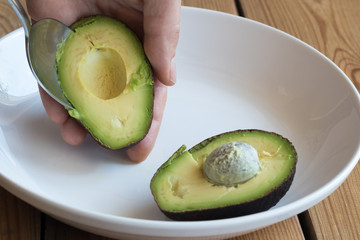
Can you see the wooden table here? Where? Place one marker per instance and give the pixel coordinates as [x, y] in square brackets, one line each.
[332, 27]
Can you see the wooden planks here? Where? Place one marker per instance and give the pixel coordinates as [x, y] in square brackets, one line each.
[289, 229]
[8, 18]
[333, 28]
[18, 220]
[285, 230]
[337, 217]
[55, 230]
[227, 6]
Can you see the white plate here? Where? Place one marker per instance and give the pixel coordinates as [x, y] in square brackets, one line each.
[233, 73]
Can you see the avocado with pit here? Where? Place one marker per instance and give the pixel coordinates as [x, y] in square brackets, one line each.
[232, 174]
[104, 73]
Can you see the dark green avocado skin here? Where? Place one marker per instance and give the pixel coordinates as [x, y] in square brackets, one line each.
[262, 203]
[258, 205]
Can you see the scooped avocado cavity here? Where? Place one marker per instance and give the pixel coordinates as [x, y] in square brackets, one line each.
[232, 163]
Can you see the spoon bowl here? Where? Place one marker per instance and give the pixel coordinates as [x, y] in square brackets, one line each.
[41, 41]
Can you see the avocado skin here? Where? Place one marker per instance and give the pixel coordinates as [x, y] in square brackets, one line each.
[260, 204]
[89, 20]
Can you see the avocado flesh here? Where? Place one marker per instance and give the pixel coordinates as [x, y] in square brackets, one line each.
[183, 193]
[104, 73]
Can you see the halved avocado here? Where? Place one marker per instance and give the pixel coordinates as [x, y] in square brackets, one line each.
[104, 73]
[182, 192]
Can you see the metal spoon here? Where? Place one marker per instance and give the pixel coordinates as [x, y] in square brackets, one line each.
[41, 40]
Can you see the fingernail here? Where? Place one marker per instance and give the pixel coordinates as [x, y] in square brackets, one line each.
[173, 72]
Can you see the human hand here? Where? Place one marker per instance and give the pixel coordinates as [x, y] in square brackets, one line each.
[156, 23]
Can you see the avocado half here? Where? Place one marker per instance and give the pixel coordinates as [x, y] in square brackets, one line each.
[182, 192]
[104, 73]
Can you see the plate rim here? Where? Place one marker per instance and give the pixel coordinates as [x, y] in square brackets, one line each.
[129, 225]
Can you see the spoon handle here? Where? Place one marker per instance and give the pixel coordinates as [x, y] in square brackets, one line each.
[22, 15]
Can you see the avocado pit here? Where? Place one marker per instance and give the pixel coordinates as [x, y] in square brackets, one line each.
[231, 164]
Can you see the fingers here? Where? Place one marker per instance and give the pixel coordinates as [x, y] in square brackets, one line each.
[161, 34]
[161, 26]
[56, 112]
[66, 11]
[140, 151]
[72, 132]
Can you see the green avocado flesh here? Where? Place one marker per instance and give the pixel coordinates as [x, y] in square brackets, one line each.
[182, 192]
[104, 73]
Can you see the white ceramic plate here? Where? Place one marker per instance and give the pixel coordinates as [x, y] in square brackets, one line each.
[233, 73]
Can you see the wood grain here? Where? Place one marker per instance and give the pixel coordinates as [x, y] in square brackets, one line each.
[8, 18]
[53, 229]
[334, 217]
[227, 6]
[332, 27]
[289, 229]
[285, 230]
[18, 220]
[56, 230]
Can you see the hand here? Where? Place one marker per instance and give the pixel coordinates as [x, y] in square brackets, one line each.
[156, 22]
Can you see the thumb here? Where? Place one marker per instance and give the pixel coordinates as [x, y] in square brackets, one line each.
[161, 35]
